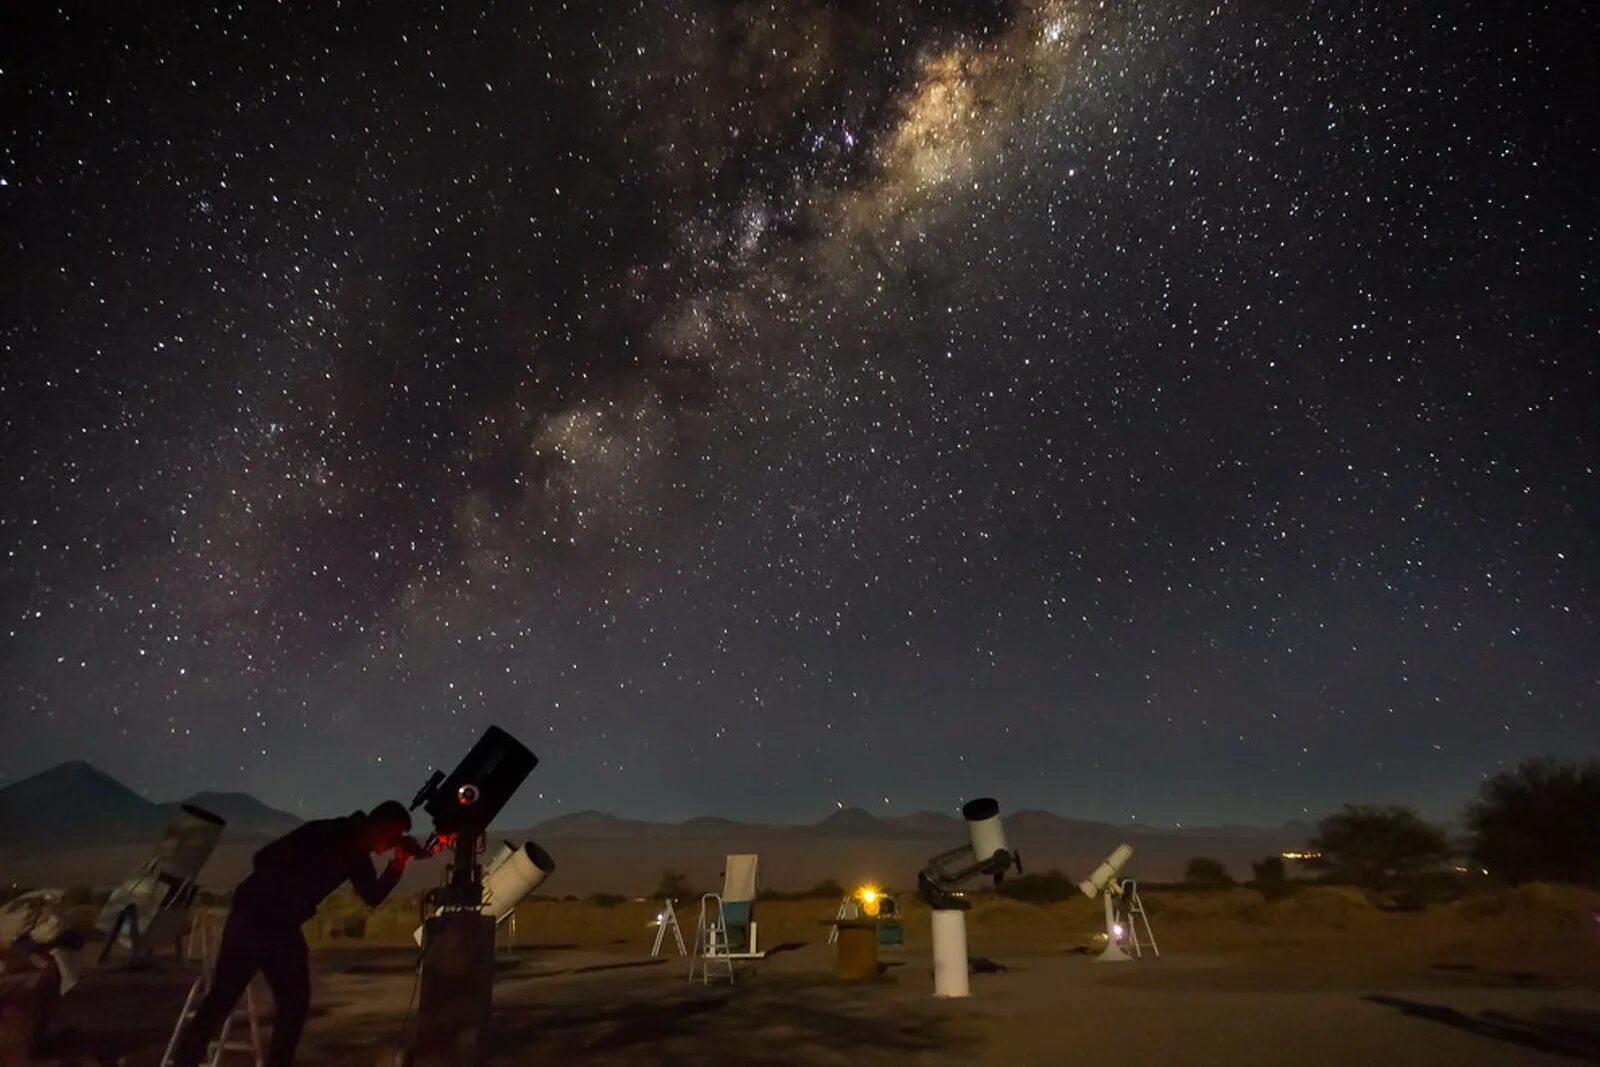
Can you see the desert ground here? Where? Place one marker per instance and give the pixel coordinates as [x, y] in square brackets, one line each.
[1321, 976]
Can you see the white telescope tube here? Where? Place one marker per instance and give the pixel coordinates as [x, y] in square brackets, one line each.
[513, 873]
[983, 824]
[1106, 871]
[514, 878]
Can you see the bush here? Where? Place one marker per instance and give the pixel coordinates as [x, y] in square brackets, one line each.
[348, 926]
[1540, 822]
[828, 887]
[1375, 846]
[606, 900]
[1205, 871]
[674, 885]
[1039, 888]
[1270, 876]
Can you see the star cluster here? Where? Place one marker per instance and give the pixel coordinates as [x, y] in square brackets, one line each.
[1158, 410]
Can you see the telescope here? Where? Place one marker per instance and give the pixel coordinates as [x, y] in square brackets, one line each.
[985, 853]
[457, 970]
[151, 906]
[465, 801]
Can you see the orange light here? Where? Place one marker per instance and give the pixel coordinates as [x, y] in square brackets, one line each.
[871, 898]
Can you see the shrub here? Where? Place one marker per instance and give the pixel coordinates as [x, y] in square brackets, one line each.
[674, 885]
[1205, 871]
[1375, 846]
[1540, 822]
[1270, 876]
[1039, 888]
[606, 900]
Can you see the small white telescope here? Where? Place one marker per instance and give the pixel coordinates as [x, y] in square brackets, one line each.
[513, 873]
[1106, 872]
[1106, 884]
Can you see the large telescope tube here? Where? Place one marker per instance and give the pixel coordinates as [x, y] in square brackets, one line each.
[983, 823]
[169, 873]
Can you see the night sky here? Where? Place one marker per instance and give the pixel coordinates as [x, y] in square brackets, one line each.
[1158, 410]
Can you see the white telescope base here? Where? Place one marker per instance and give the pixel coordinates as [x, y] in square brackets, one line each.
[1113, 952]
[950, 953]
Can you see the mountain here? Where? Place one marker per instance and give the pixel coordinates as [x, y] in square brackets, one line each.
[73, 824]
[245, 814]
[711, 824]
[850, 820]
[586, 825]
[75, 803]
[925, 824]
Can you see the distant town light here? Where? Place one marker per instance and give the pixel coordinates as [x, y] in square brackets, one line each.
[1301, 855]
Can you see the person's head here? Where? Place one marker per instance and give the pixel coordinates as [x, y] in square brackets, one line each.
[386, 824]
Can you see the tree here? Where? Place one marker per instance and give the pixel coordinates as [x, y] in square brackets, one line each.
[1539, 822]
[674, 885]
[1270, 876]
[1203, 870]
[1375, 846]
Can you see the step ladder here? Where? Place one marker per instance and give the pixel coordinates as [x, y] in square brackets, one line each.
[1133, 912]
[848, 909]
[711, 949]
[244, 1011]
[668, 918]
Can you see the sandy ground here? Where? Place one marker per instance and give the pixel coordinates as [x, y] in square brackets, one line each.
[1304, 982]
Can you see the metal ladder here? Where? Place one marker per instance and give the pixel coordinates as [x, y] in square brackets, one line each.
[245, 1009]
[668, 917]
[711, 941]
[848, 909]
[1133, 909]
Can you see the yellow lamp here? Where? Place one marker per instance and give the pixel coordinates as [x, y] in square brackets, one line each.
[869, 897]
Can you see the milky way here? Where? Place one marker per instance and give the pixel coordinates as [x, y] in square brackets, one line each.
[1144, 410]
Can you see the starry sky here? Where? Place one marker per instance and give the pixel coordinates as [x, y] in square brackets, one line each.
[1143, 409]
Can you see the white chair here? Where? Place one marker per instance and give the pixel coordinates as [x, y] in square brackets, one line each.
[741, 885]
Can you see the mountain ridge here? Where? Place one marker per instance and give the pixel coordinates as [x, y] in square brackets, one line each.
[75, 804]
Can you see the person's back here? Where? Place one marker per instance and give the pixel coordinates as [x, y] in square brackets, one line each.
[295, 873]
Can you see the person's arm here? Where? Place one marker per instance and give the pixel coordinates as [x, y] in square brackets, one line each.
[374, 889]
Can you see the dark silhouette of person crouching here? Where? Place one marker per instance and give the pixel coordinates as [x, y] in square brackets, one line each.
[288, 879]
